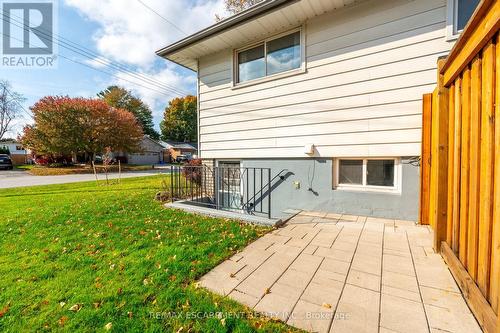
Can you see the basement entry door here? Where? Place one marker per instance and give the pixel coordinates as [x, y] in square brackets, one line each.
[230, 187]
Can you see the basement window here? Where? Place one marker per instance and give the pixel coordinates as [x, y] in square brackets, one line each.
[277, 55]
[377, 174]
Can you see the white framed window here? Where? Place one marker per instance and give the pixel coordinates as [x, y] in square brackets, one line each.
[280, 55]
[458, 14]
[368, 174]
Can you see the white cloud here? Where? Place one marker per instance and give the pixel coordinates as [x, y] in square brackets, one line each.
[130, 34]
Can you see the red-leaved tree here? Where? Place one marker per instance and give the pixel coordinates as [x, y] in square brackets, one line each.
[66, 126]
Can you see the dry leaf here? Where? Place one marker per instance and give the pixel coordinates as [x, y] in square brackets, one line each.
[62, 320]
[75, 308]
[267, 291]
[108, 326]
[326, 305]
[62, 304]
[232, 275]
[4, 311]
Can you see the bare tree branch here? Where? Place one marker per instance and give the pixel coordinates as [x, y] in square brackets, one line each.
[10, 107]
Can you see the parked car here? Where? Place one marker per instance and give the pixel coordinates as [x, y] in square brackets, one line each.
[181, 159]
[5, 162]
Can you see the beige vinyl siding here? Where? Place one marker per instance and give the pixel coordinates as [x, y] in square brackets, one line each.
[367, 68]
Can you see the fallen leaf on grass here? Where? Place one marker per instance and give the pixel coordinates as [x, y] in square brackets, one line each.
[62, 320]
[4, 311]
[75, 308]
[108, 326]
[62, 304]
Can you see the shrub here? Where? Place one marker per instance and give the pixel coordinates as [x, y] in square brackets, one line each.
[192, 171]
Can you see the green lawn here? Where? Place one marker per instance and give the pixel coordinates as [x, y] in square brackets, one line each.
[77, 257]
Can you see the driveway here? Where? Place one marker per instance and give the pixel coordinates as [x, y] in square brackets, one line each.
[338, 273]
[16, 178]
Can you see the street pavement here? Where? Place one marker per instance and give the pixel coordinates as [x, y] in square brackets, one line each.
[17, 178]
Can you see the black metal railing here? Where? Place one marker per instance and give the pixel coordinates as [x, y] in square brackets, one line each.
[246, 190]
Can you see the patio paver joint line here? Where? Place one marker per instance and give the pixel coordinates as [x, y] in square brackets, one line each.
[348, 271]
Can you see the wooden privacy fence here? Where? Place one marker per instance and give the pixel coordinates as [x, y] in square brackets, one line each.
[460, 189]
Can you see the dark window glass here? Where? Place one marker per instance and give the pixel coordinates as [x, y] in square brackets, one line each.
[251, 64]
[380, 173]
[351, 172]
[283, 54]
[465, 10]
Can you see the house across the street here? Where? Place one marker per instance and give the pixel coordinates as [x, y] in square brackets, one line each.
[325, 94]
[150, 152]
[174, 149]
[18, 154]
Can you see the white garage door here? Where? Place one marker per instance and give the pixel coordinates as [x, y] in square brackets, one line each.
[145, 158]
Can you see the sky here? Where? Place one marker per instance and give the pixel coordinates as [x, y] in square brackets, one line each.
[124, 32]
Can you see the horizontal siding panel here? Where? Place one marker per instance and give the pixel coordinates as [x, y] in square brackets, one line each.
[351, 102]
[250, 124]
[404, 46]
[382, 150]
[393, 42]
[342, 139]
[365, 16]
[432, 17]
[366, 125]
[401, 61]
[217, 109]
[216, 78]
[326, 77]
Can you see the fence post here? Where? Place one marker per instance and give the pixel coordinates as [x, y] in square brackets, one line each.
[425, 159]
[440, 161]
[269, 194]
[172, 183]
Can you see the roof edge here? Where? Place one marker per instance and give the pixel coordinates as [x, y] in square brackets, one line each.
[230, 22]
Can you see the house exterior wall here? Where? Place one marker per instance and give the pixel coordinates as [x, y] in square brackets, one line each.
[315, 190]
[174, 152]
[18, 156]
[150, 152]
[367, 67]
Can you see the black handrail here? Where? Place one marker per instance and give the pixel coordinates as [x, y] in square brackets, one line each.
[267, 185]
[225, 188]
